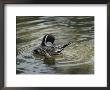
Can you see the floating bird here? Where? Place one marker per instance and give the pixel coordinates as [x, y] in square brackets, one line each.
[47, 47]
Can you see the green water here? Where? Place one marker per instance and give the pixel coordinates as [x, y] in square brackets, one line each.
[77, 58]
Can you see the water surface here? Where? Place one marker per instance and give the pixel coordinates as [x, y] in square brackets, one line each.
[77, 58]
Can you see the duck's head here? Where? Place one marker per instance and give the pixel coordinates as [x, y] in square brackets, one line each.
[48, 38]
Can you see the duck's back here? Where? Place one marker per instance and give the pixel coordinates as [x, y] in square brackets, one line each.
[43, 50]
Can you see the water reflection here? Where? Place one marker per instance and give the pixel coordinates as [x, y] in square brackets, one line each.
[77, 58]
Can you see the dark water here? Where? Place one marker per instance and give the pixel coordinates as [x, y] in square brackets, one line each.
[77, 58]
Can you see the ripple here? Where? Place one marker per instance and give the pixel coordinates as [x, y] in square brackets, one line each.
[77, 58]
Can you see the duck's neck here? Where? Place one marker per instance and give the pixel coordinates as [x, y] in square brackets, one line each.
[43, 44]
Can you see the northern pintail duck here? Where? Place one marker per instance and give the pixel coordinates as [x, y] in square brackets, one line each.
[47, 47]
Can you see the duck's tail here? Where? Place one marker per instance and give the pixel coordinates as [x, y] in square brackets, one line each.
[64, 46]
[77, 41]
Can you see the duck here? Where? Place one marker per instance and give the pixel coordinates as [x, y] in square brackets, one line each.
[48, 48]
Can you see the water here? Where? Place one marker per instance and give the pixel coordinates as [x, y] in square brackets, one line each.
[77, 58]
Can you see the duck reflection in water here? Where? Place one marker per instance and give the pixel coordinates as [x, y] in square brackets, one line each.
[48, 49]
